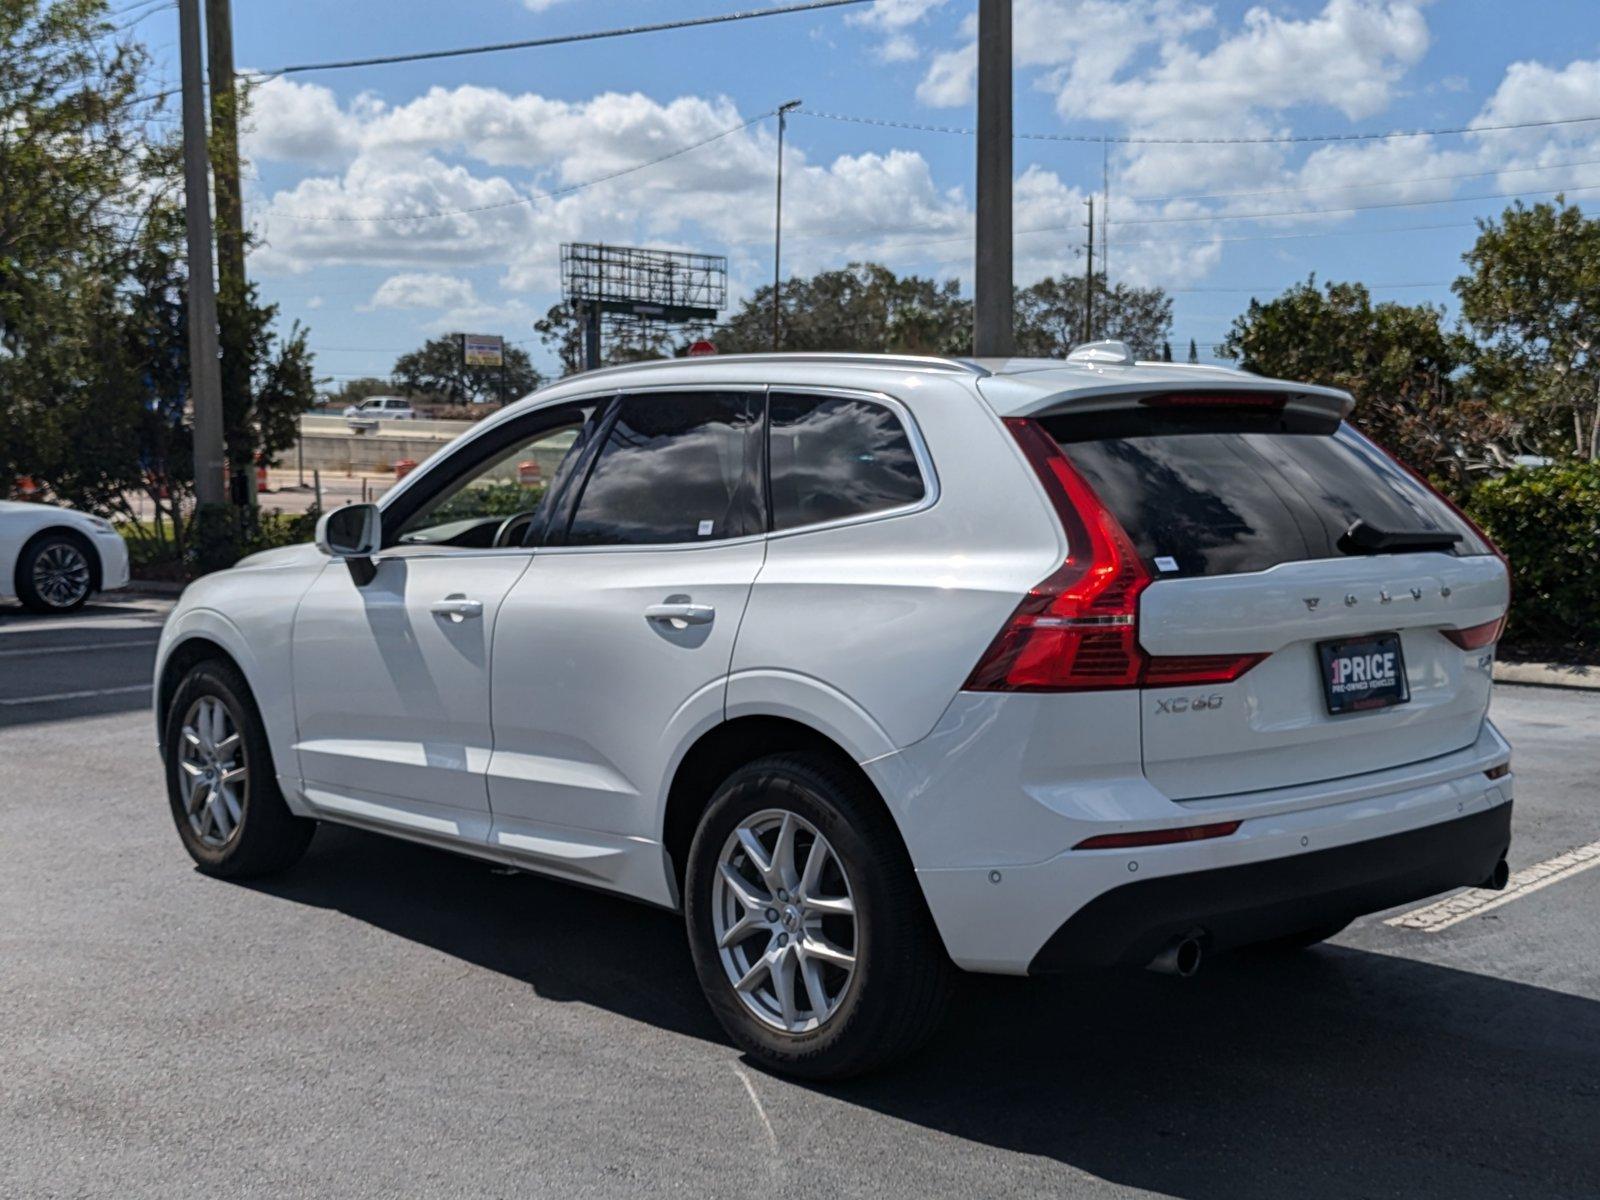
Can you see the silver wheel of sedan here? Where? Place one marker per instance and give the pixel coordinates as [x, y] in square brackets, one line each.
[213, 771]
[785, 921]
[61, 574]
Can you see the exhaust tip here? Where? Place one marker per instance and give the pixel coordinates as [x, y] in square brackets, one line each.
[1181, 958]
[1497, 878]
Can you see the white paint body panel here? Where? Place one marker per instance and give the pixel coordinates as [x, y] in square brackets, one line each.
[21, 522]
[546, 734]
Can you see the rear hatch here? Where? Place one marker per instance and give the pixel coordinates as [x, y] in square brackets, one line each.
[1360, 607]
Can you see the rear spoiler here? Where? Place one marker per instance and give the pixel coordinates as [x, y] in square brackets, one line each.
[1033, 396]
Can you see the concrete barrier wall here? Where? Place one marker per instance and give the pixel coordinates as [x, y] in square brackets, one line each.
[331, 446]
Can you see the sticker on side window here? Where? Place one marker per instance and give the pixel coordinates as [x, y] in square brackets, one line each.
[706, 527]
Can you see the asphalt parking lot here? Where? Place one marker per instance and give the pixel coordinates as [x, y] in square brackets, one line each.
[387, 1020]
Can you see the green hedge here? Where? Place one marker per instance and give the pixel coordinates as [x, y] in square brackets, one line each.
[1547, 520]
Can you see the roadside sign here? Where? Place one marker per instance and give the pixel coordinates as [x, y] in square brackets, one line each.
[482, 350]
[702, 348]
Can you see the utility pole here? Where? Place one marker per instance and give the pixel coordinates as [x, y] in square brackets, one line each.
[230, 230]
[205, 377]
[1088, 279]
[992, 300]
[777, 225]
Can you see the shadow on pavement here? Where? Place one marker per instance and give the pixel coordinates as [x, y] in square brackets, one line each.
[1331, 1073]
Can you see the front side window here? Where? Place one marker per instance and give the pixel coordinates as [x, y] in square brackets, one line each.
[675, 467]
[493, 501]
[834, 457]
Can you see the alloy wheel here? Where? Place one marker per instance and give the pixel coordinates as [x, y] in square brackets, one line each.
[213, 772]
[61, 575]
[785, 921]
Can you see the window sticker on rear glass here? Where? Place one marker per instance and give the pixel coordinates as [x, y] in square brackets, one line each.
[1166, 563]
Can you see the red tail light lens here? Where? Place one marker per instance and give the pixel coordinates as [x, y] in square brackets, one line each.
[1078, 629]
[1075, 630]
[1159, 837]
[1476, 637]
[1178, 669]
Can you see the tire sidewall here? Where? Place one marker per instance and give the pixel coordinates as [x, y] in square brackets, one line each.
[758, 787]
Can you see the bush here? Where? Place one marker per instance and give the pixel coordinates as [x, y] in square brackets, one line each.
[1547, 521]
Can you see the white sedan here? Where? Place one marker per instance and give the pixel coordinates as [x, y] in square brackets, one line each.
[52, 559]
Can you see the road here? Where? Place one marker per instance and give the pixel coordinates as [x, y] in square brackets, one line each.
[387, 1020]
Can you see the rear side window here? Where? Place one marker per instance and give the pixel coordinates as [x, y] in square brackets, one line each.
[1231, 493]
[675, 467]
[834, 457]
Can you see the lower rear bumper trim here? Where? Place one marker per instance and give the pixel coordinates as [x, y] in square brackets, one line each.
[1259, 901]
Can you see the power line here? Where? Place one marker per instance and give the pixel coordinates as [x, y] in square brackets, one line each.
[1124, 139]
[535, 197]
[559, 39]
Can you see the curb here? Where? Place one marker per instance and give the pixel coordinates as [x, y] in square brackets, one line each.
[153, 587]
[1561, 675]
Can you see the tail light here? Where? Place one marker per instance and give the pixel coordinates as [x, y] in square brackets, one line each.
[1476, 637]
[1077, 630]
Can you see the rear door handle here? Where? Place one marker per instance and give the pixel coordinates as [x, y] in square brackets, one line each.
[458, 608]
[685, 614]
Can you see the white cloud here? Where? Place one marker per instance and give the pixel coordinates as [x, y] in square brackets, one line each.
[423, 289]
[895, 20]
[951, 79]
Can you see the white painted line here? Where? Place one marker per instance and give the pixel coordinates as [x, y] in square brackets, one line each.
[761, 1111]
[78, 649]
[1454, 909]
[116, 691]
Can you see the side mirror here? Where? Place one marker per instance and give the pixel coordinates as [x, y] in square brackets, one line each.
[353, 531]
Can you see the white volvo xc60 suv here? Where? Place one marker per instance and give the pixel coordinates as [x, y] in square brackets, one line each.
[874, 666]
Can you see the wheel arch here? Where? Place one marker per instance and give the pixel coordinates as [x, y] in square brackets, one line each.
[180, 660]
[726, 747]
[77, 536]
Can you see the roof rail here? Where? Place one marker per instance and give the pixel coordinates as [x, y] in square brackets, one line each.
[915, 362]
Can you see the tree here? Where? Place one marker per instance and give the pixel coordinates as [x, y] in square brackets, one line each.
[1050, 316]
[561, 329]
[1533, 295]
[863, 307]
[436, 369]
[1194, 352]
[1399, 362]
[70, 144]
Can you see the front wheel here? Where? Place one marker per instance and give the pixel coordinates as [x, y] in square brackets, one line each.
[807, 926]
[231, 817]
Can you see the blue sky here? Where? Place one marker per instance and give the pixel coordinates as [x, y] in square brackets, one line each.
[344, 162]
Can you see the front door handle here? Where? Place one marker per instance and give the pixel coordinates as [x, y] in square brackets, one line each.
[681, 614]
[457, 607]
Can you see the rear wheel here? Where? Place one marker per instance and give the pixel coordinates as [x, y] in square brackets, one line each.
[224, 795]
[807, 927]
[55, 573]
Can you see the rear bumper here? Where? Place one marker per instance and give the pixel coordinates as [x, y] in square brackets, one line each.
[1256, 902]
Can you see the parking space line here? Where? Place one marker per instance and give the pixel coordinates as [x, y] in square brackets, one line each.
[76, 649]
[1454, 909]
[10, 701]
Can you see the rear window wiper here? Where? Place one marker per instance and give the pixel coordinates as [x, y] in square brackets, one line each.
[1364, 538]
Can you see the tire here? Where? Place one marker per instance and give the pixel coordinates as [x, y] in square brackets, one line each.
[891, 998]
[56, 573]
[239, 827]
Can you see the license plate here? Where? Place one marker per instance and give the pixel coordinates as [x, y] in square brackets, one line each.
[1363, 673]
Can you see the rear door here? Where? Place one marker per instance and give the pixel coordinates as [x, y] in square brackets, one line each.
[614, 648]
[1244, 521]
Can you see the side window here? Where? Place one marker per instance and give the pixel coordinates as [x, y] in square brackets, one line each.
[675, 467]
[836, 456]
[493, 499]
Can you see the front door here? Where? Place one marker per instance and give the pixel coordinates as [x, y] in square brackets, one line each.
[613, 650]
[391, 676]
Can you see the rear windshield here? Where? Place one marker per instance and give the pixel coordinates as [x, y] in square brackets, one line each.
[1224, 493]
